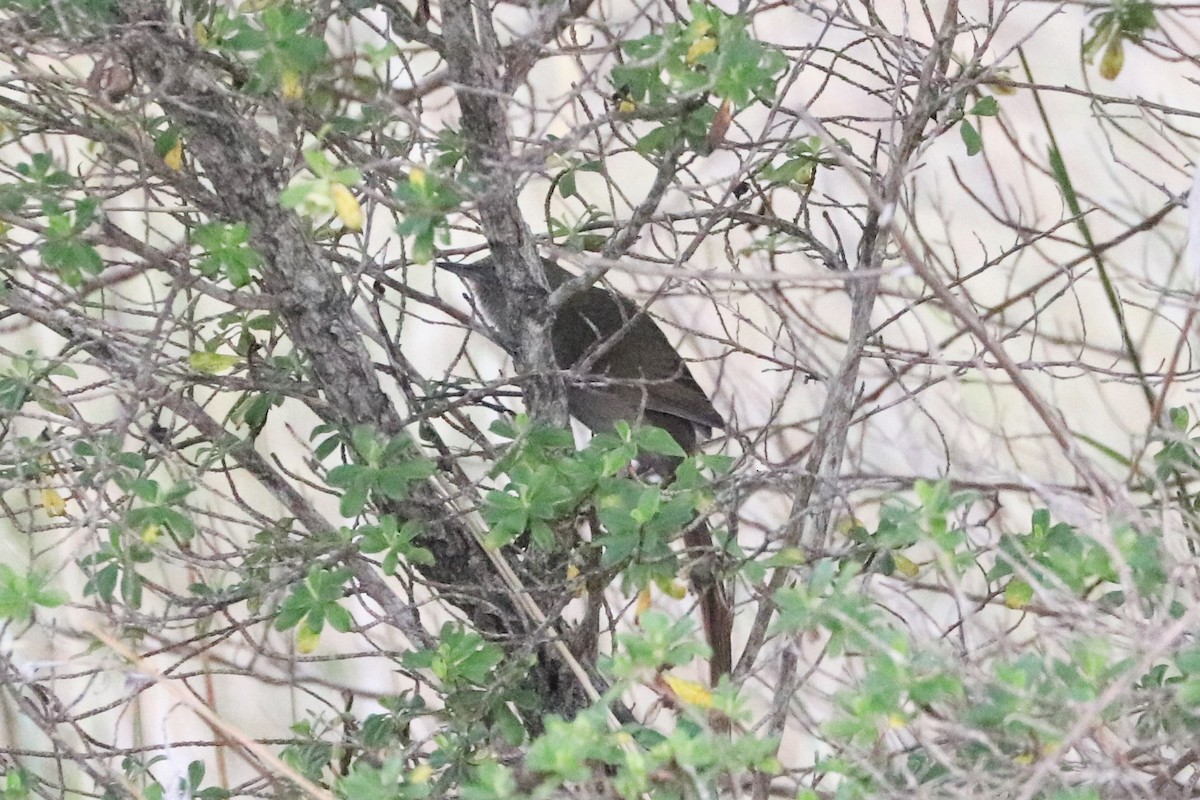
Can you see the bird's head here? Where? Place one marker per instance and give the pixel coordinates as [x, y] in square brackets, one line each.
[481, 274]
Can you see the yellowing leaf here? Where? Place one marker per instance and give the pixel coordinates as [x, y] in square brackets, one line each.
[905, 566]
[672, 589]
[626, 106]
[787, 557]
[290, 86]
[212, 363]
[1017, 593]
[150, 534]
[1001, 86]
[200, 31]
[417, 178]
[173, 158]
[347, 207]
[420, 774]
[306, 638]
[690, 692]
[572, 577]
[53, 503]
[643, 603]
[718, 129]
[701, 47]
[1113, 60]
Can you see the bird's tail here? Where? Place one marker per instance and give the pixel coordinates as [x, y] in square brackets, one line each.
[716, 610]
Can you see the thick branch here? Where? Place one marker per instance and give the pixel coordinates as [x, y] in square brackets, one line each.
[315, 310]
[477, 67]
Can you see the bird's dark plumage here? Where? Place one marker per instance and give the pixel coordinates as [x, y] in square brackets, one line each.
[632, 373]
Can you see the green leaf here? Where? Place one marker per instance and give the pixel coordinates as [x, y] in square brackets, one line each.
[71, 259]
[1187, 692]
[395, 541]
[212, 363]
[394, 481]
[353, 501]
[656, 440]
[567, 748]
[971, 138]
[661, 641]
[461, 655]
[1017, 594]
[1188, 661]
[313, 602]
[985, 107]
[21, 594]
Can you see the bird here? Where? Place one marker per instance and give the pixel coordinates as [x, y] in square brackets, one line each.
[642, 380]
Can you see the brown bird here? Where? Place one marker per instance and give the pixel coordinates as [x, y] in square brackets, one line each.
[648, 383]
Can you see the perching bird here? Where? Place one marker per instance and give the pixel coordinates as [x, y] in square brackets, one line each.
[646, 382]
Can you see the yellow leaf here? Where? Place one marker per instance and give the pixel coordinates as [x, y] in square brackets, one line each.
[290, 86]
[1017, 594]
[200, 31]
[672, 589]
[580, 588]
[626, 106]
[701, 47]
[306, 638]
[53, 503]
[1114, 59]
[347, 207]
[420, 774]
[643, 603]
[787, 557]
[173, 158]
[690, 692]
[417, 178]
[150, 534]
[1000, 85]
[905, 566]
[212, 363]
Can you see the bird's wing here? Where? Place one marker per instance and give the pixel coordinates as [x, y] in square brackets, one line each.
[646, 371]
[685, 401]
[664, 379]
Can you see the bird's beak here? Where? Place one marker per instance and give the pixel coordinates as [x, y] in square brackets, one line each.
[450, 266]
[477, 273]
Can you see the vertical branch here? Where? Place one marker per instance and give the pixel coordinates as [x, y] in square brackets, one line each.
[883, 197]
[478, 71]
